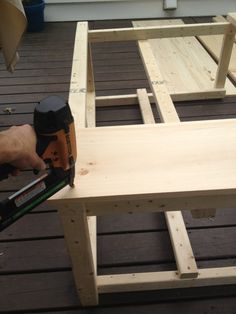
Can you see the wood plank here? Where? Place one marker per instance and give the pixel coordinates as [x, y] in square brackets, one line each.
[75, 222]
[91, 122]
[194, 306]
[30, 226]
[160, 92]
[183, 62]
[143, 33]
[213, 45]
[34, 226]
[131, 99]
[119, 177]
[225, 56]
[76, 229]
[165, 280]
[56, 290]
[231, 17]
[117, 250]
[186, 264]
[145, 106]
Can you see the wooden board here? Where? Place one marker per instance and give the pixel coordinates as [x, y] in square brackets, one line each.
[213, 46]
[131, 161]
[184, 63]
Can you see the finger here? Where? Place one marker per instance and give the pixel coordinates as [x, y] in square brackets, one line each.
[38, 163]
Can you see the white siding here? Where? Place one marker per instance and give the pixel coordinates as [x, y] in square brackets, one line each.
[75, 10]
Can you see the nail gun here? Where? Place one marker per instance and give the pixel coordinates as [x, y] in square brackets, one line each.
[56, 145]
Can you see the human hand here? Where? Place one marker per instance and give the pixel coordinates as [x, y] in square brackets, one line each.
[18, 148]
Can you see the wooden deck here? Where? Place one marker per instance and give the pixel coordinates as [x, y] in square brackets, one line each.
[35, 271]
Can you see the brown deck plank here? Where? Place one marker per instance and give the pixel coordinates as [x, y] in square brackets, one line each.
[116, 250]
[56, 290]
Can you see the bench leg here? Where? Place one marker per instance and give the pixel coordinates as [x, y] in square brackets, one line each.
[76, 230]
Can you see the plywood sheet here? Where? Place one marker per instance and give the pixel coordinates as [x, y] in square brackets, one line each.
[164, 160]
[185, 64]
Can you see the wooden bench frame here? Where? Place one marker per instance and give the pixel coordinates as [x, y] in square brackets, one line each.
[78, 222]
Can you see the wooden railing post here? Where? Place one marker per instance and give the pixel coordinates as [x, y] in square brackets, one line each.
[226, 51]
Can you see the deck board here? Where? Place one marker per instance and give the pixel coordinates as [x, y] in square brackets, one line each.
[45, 284]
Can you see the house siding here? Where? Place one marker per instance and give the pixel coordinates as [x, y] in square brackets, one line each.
[78, 10]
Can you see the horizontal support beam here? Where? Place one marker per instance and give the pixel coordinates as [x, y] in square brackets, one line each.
[132, 99]
[165, 280]
[141, 33]
[157, 205]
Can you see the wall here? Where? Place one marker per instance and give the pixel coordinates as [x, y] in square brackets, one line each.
[76, 10]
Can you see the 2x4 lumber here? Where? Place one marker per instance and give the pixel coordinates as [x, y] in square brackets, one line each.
[91, 122]
[186, 264]
[142, 33]
[75, 224]
[78, 83]
[73, 216]
[220, 18]
[165, 280]
[160, 204]
[145, 106]
[231, 17]
[132, 99]
[161, 95]
[226, 52]
[90, 105]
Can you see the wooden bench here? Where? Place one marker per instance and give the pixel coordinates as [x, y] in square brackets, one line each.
[166, 167]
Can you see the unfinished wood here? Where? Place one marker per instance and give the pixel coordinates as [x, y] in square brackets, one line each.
[90, 105]
[160, 204]
[91, 122]
[161, 95]
[78, 84]
[132, 99]
[120, 162]
[145, 106]
[220, 18]
[165, 280]
[213, 45]
[75, 224]
[184, 64]
[225, 56]
[231, 17]
[186, 264]
[77, 227]
[142, 33]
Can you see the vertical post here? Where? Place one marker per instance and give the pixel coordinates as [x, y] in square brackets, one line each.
[73, 214]
[75, 225]
[91, 122]
[226, 51]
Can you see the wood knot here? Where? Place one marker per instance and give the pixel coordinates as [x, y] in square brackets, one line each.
[83, 172]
